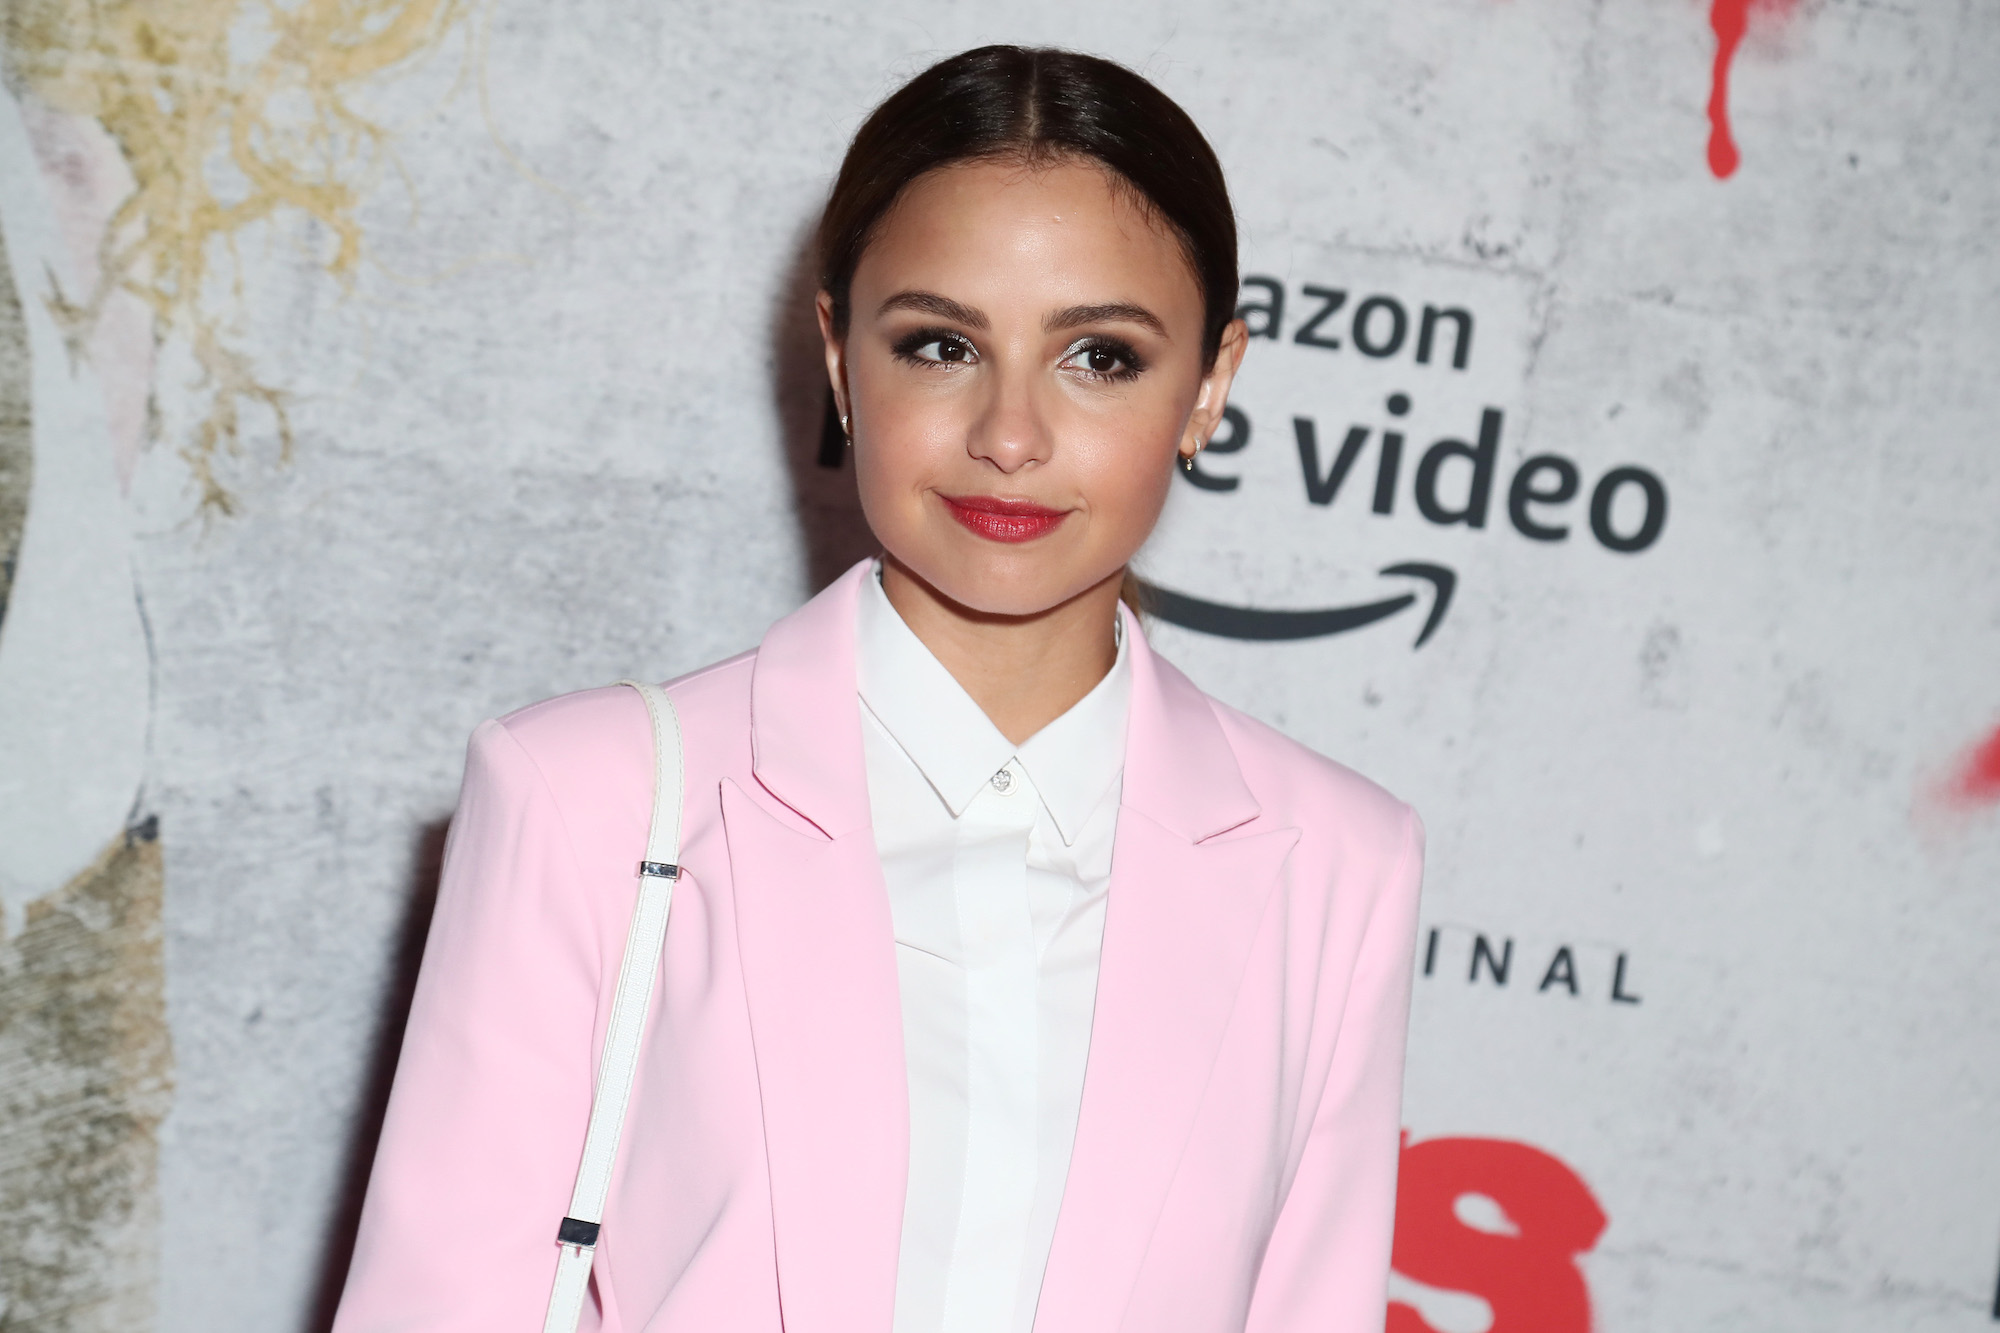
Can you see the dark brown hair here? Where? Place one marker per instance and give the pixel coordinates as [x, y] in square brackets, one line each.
[1039, 105]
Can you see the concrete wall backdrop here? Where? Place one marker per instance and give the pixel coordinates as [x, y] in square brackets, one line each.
[368, 369]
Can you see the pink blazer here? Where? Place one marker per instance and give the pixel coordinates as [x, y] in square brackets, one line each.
[1235, 1159]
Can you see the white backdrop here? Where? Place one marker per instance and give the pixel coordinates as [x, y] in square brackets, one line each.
[1710, 919]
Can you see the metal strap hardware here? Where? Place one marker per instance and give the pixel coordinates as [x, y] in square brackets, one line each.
[574, 1231]
[619, 1061]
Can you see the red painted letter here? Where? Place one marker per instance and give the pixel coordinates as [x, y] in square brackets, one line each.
[1530, 1278]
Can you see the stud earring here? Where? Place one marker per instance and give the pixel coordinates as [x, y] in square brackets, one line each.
[845, 433]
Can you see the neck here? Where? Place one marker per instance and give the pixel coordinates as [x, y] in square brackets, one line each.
[1024, 672]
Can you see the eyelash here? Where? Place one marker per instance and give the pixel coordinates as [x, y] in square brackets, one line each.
[907, 346]
[1118, 347]
[906, 349]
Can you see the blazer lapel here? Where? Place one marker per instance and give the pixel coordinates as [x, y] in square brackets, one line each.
[819, 973]
[1189, 886]
[819, 970]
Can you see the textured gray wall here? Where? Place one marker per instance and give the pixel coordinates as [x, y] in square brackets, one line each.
[559, 426]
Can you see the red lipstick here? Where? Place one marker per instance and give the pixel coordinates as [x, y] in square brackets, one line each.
[1004, 520]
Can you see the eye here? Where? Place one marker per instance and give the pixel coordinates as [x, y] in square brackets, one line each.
[936, 347]
[1104, 359]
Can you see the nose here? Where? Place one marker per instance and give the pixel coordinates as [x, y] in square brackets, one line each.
[1010, 429]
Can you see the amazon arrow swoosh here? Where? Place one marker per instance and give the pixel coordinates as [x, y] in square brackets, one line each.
[1245, 622]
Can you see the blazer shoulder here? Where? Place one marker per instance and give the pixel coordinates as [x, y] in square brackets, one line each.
[1298, 786]
[577, 735]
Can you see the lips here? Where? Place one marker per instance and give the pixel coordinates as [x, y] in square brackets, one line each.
[1004, 520]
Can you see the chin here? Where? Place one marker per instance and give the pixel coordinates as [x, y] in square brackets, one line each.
[1018, 583]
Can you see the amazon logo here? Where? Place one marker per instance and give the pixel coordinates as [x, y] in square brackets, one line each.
[1243, 622]
[1388, 469]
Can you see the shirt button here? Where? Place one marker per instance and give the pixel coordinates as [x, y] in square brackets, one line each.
[1003, 781]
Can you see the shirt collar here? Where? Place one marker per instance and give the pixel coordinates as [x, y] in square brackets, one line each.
[1072, 762]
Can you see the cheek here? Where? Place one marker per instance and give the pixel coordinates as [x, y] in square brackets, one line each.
[1125, 483]
[1140, 494]
[900, 437]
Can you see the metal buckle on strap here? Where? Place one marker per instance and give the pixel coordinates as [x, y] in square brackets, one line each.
[660, 869]
[579, 1233]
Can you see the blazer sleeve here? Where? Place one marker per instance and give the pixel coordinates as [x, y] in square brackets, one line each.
[1326, 1267]
[486, 1119]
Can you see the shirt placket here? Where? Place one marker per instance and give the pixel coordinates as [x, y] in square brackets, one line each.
[1003, 1053]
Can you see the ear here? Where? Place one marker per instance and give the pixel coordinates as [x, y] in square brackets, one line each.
[836, 352]
[1214, 394]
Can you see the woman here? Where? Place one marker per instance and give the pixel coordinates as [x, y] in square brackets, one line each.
[1011, 981]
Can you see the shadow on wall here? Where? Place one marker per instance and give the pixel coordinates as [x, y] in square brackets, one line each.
[393, 1013]
[833, 531]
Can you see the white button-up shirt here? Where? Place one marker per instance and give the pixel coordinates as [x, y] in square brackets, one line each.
[998, 859]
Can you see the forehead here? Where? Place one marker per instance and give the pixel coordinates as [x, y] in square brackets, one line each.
[994, 232]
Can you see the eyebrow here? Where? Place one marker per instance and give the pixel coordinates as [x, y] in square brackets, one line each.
[932, 304]
[1105, 313]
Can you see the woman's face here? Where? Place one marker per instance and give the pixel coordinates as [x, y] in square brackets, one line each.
[1022, 365]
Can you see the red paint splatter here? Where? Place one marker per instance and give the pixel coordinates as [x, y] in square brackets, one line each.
[1730, 19]
[1977, 781]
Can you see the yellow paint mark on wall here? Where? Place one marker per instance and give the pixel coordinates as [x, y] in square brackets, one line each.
[228, 112]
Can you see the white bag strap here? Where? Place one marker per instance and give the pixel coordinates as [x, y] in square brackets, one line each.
[637, 975]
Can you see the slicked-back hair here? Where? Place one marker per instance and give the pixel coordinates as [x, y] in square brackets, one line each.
[1039, 106]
